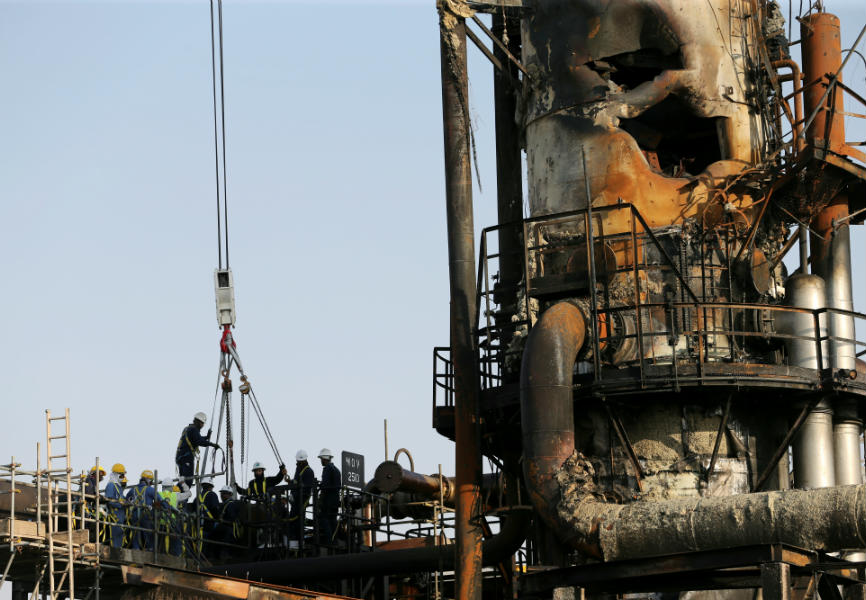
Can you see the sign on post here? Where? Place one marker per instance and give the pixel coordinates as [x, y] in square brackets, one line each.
[353, 470]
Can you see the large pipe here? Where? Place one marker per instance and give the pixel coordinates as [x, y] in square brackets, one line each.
[798, 97]
[547, 406]
[830, 518]
[461, 268]
[822, 55]
[391, 477]
[813, 446]
[366, 564]
[847, 428]
[825, 519]
[509, 170]
[831, 240]
[813, 452]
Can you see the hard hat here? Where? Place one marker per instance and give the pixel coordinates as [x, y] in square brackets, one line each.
[258, 465]
[167, 482]
[200, 416]
[118, 468]
[326, 453]
[226, 489]
[301, 455]
[147, 474]
[207, 481]
[101, 470]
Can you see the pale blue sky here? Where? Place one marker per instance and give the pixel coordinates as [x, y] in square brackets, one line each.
[337, 221]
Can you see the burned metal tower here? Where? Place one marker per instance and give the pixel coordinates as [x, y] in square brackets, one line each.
[634, 350]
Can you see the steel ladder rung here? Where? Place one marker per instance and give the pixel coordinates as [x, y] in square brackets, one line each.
[56, 456]
[57, 437]
[63, 418]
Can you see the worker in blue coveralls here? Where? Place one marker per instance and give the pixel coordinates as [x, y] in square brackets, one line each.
[329, 497]
[302, 486]
[187, 448]
[207, 506]
[116, 504]
[140, 500]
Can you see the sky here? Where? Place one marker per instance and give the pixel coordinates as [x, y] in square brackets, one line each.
[336, 222]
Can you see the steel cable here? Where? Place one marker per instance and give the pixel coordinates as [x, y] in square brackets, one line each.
[216, 137]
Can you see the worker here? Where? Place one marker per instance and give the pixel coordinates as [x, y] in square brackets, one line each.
[91, 483]
[229, 527]
[329, 497]
[302, 486]
[140, 500]
[206, 507]
[116, 506]
[91, 489]
[259, 486]
[191, 440]
[170, 519]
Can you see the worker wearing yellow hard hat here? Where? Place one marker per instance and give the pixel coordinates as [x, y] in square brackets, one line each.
[140, 499]
[116, 504]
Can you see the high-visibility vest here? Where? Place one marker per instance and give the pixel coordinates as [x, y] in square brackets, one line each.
[170, 496]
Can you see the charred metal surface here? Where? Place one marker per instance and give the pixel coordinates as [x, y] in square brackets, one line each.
[546, 404]
[824, 519]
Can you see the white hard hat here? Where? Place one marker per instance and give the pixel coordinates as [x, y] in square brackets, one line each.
[301, 455]
[200, 416]
[258, 465]
[326, 453]
[207, 480]
[225, 488]
[168, 482]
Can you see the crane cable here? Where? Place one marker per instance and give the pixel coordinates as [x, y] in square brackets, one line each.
[219, 133]
[228, 354]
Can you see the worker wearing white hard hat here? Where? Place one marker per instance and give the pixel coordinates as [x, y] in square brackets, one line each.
[260, 487]
[228, 529]
[207, 505]
[329, 497]
[191, 440]
[302, 486]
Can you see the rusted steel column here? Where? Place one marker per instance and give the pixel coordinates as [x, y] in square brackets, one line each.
[509, 171]
[461, 267]
[822, 55]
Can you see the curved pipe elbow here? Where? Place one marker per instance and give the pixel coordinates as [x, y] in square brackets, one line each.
[546, 403]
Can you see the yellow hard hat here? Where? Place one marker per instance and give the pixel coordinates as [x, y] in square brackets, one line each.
[118, 468]
[147, 474]
[101, 470]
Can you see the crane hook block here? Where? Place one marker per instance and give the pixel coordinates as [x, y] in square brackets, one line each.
[224, 285]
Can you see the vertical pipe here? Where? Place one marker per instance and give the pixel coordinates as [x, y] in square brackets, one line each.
[814, 462]
[847, 427]
[803, 237]
[831, 247]
[461, 263]
[813, 447]
[509, 170]
[846, 433]
[822, 56]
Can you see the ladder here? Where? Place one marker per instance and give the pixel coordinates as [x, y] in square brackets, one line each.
[58, 468]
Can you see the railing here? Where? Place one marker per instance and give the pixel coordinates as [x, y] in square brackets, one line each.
[698, 323]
